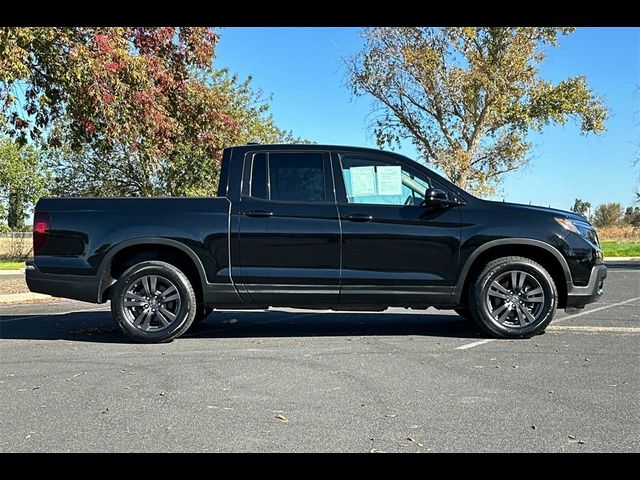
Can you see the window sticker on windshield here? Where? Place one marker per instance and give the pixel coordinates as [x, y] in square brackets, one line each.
[389, 180]
[362, 181]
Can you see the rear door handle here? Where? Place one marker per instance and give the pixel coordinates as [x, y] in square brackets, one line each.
[358, 217]
[258, 213]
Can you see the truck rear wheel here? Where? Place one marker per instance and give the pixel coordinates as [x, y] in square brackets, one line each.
[513, 297]
[153, 302]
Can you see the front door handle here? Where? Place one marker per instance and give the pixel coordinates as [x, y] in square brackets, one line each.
[358, 217]
[258, 213]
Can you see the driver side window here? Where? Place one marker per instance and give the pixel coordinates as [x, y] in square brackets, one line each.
[380, 182]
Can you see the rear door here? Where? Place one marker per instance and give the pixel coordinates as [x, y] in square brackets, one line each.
[288, 247]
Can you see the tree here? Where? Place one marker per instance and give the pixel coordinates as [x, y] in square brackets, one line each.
[607, 215]
[144, 107]
[632, 216]
[581, 207]
[467, 97]
[23, 180]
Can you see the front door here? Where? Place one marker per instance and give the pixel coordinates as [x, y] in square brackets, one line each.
[289, 234]
[395, 250]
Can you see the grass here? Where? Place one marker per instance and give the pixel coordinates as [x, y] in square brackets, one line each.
[10, 265]
[621, 249]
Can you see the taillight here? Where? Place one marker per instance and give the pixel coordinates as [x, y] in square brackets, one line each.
[41, 226]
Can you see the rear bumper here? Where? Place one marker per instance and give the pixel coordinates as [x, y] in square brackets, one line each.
[76, 287]
[578, 297]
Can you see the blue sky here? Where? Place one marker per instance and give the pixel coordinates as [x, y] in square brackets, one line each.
[302, 69]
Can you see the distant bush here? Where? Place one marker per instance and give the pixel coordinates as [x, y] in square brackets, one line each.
[620, 233]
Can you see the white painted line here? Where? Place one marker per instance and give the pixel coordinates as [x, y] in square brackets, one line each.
[15, 319]
[572, 328]
[475, 344]
[592, 329]
[568, 317]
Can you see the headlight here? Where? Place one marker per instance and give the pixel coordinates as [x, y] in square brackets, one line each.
[581, 228]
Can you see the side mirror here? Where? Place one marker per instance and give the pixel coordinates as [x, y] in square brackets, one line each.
[434, 197]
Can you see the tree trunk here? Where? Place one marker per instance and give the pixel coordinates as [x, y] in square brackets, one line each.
[15, 212]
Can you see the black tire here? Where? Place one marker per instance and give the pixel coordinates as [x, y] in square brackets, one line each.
[481, 310]
[185, 305]
[202, 312]
[464, 313]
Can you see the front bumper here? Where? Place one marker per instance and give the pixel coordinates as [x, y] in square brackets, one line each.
[578, 297]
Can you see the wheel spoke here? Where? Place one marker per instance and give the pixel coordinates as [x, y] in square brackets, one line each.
[521, 278]
[135, 296]
[162, 318]
[147, 320]
[527, 313]
[495, 293]
[521, 318]
[145, 284]
[504, 315]
[171, 298]
[139, 318]
[138, 303]
[499, 310]
[534, 300]
[166, 312]
[514, 280]
[153, 280]
[495, 285]
[167, 291]
[531, 293]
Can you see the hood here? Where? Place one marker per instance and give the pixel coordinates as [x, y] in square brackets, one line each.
[551, 211]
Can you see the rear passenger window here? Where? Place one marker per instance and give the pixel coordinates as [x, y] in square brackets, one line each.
[297, 177]
[289, 176]
[259, 176]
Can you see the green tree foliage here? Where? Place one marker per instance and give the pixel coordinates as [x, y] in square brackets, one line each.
[136, 111]
[23, 180]
[607, 215]
[467, 97]
[581, 207]
[632, 216]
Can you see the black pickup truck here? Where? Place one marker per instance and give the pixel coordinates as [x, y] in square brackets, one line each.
[316, 226]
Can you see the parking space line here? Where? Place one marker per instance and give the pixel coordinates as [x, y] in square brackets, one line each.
[572, 328]
[53, 314]
[475, 344]
[597, 309]
[593, 329]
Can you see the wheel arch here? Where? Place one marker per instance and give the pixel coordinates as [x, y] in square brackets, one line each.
[541, 252]
[142, 249]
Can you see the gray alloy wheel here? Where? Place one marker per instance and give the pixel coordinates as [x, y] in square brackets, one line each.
[513, 297]
[153, 302]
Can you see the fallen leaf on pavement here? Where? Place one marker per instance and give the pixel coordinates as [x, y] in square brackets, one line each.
[162, 394]
[411, 439]
[390, 415]
[282, 418]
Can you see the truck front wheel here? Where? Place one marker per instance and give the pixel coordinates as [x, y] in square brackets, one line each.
[153, 302]
[513, 297]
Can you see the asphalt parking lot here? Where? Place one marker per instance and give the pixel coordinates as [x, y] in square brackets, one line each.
[296, 380]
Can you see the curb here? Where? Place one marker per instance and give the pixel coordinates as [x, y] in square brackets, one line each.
[12, 272]
[621, 259]
[23, 297]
